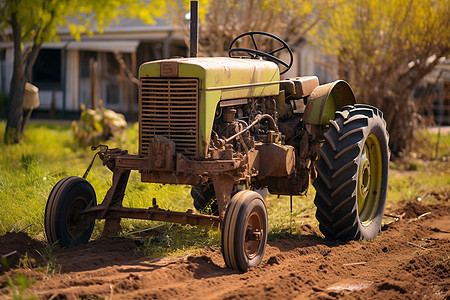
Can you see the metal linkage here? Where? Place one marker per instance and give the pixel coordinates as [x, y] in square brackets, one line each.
[103, 150]
[258, 119]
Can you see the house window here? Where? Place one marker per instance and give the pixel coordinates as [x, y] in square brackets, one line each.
[47, 71]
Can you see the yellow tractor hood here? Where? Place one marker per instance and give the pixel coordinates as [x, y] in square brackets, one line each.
[233, 76]
[219, 79]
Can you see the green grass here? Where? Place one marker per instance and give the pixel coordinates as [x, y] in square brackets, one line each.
[177, 240]
[47, 154]
[29, 170]
[425, 174]
[19, 286]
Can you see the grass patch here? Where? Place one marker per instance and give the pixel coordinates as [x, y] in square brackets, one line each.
[48, 153]
[19, 286]
[176, 240]
[51, 267]
[425, 174]
[431, 145]
[282, 221]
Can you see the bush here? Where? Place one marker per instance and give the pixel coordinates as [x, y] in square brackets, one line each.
[98, 125]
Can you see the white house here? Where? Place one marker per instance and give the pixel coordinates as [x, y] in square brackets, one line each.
[67, 72]
[63, 70]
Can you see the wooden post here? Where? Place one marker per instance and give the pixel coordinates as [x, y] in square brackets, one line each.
[93, 78]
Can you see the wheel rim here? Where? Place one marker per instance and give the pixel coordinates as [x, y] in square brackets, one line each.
[76, 224]
[369, 180]
[253, 235]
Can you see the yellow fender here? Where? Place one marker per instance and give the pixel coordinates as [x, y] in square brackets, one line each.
[325, 100]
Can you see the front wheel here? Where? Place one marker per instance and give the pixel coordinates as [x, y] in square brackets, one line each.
[244, 231]
[64, 222]
[353, 174]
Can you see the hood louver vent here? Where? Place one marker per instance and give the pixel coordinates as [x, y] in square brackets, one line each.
[169, 107]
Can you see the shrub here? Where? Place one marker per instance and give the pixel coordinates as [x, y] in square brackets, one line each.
[98, 125]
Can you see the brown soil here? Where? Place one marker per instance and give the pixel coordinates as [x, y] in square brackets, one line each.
[409, 260]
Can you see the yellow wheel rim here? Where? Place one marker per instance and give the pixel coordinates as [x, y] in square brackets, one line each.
[369, 180]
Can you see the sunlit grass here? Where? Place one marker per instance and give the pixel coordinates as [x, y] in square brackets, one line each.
[28, 172]
[284, 220]
[177, 240]
[48, 153]
[425, 174]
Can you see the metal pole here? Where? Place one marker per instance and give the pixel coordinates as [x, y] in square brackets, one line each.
[64, 81]
[193, 39]
[291, 215]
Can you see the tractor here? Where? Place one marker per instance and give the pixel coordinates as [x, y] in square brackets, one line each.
[231, 128]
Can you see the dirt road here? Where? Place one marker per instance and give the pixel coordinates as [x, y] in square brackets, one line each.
[409, 260]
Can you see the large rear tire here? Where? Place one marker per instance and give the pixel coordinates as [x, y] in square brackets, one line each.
[63, 222]
[244, 231]
[353, 171]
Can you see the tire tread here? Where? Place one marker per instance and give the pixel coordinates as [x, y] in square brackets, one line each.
[336, 183]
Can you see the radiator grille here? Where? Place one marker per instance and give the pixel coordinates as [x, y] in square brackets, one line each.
[169, 107]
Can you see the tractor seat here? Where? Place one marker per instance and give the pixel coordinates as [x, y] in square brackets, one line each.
[299, 87]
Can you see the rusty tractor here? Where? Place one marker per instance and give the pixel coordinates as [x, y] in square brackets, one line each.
[232, 128]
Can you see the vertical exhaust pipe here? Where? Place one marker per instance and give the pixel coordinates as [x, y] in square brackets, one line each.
[193, 38]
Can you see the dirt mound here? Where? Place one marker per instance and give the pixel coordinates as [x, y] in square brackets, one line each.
[14, 246]
[408, 260]
[412, 210]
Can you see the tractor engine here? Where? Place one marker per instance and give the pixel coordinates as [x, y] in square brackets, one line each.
[230, 120]
[283, 169]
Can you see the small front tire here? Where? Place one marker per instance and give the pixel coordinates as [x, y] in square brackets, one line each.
[63, 222]
[244, 231]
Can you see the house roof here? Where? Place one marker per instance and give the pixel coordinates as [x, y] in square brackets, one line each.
[123, 46]
[123, 36]
[126, 29]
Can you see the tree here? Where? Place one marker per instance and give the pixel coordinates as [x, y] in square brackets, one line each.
[223, 20]
[385, 48]
[30, 23]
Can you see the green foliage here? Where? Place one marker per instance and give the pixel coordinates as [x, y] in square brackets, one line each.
[415, 179]
[41, 19]
[19, 286]
[282, 221]
[432, 145]
[34, 22]
[29, 170]
[27, 262]
[384, 49]
[98, 125]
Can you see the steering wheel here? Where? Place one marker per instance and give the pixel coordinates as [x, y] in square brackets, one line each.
[255, 53]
